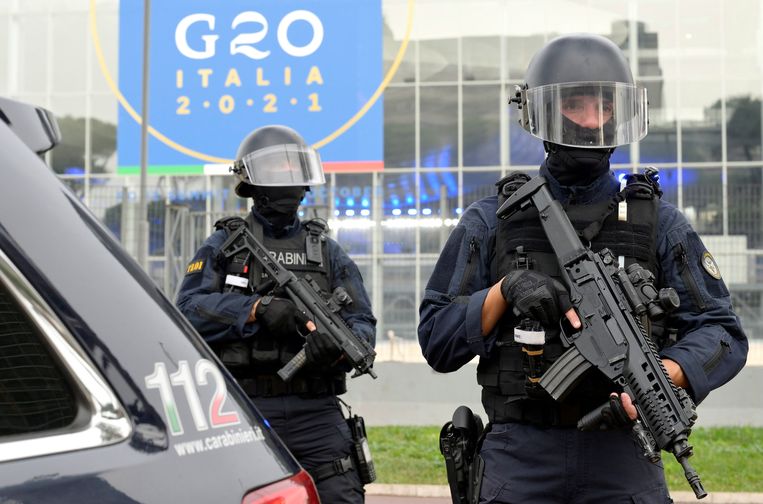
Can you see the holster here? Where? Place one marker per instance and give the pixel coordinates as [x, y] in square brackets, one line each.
[476, 469]
[459, 444]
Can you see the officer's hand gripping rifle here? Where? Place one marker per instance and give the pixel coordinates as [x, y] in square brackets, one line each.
[306, 295]
[609, 301]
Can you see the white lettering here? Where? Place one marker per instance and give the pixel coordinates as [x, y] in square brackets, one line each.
[239, 44]
[289, 258]
[181, 36]
[283, 33]
[243, 43]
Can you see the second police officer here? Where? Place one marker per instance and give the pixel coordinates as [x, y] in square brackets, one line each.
[579, 98]
[256, 336]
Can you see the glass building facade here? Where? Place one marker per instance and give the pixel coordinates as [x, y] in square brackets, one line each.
[448, 133]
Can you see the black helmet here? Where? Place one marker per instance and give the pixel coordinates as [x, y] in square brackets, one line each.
[276, 156]
[578, 78]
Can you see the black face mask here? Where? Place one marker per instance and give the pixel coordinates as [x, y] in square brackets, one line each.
[278, 205]
[576, 166]
[572, 130]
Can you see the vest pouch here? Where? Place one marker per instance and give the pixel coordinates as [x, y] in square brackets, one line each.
[235, 357]
[487, 373]
[264, 350]
[511, 372]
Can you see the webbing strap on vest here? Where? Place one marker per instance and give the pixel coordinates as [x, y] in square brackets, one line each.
[315, 229]
[271, 385]
[255, 268]
[636, 187]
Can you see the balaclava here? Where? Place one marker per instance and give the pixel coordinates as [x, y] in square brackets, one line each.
[278, 205]
[578, 166]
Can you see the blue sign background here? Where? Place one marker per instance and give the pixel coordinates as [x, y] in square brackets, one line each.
[212, 117]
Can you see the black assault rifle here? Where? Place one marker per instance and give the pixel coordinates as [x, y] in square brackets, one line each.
[610, 302]
[305, 293]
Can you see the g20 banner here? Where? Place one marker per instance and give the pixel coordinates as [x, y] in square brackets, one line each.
[219, 70]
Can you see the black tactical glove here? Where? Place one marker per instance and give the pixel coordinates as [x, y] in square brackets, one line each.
[320, 349]
[280, 317]
[536, 295]
[610, 415]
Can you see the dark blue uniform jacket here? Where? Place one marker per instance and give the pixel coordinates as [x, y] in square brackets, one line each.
[221, 316]
[711, 346]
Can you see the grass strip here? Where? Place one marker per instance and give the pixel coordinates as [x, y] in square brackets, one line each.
[728, 459]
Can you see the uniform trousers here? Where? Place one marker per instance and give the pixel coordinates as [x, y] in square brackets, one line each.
[316, 433]
[526, 464]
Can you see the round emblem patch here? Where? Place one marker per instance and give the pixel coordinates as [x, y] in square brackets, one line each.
[710, 265]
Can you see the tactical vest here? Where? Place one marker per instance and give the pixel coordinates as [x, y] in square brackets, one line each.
[521, 243]
[306, 255]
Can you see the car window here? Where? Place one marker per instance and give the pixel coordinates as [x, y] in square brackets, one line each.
[34, 395]
[52, 399]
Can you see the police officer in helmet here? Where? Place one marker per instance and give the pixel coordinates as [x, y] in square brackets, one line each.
[495, 276]
[255, 335]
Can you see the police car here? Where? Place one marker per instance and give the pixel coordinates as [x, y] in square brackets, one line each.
[107, 394]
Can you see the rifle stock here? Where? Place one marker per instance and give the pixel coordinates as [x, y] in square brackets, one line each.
[612, 338]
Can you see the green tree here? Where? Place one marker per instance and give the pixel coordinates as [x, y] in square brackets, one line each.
[71, 151]
[743, 128]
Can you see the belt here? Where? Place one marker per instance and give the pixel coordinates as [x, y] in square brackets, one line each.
[333, 468]
[546, 414]
[543, 413]
[273, 385]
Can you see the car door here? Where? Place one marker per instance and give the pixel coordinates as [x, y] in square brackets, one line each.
[107, 394]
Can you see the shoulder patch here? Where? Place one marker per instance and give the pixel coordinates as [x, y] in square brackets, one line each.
[194, 267]
[708, 262]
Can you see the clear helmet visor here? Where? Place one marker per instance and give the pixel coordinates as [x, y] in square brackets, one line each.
[281, 165]
[586, 114]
